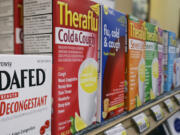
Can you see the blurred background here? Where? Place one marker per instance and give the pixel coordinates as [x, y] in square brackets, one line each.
[164, 13]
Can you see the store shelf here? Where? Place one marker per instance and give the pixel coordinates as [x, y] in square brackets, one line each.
[126, 118]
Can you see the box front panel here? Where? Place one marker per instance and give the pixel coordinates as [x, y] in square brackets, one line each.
[75, 53]
[113, 62]
[136, 63]
[152, 64]
[25, 94]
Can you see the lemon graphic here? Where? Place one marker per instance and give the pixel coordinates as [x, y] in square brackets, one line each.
[152, 95]
[88, 78]
[79, 123]
[124, 133]
[155, 68]
[138, 101]
[142, 72]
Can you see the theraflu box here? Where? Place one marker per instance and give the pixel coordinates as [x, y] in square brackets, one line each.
[112, 63]
[25, 94]
[11, 26]
[171, 58]
[135, 63]
[152, 65]
[161, 62]
[75, 67]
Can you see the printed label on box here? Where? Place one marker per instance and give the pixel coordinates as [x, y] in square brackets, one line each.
[7, 42]
[25, 84]
[38, 43]
[6, 8]
[6, 25]
[38, 24]
[36, 7]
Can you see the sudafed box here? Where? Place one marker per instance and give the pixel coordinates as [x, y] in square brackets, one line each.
[25, 94]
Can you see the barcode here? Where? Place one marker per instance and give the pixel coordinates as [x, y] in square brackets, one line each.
[142, 127]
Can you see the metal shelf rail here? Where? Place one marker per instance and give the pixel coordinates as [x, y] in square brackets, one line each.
[126, 118]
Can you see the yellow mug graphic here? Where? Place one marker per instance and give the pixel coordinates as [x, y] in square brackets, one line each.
[155, 76]
[87, 90]
[141, 79]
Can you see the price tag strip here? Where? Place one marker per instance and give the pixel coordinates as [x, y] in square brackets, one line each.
[142, 122]
[116, 130]
[169, 104]
[157, 111]
[177, 97]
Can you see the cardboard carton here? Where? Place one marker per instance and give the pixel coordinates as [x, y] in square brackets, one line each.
[113, 29]
[75, 66]
[160, 60]
[135, 63]
[152, 64]
[170, 63]
[25, 94]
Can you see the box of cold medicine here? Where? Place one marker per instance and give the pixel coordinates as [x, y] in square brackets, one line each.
[25, 95]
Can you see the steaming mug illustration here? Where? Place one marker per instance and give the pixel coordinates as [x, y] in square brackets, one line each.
[141, 79]
[87, 90]
[155, 76]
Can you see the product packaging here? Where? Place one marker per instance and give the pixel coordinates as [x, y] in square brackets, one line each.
[152, 65]
[171, 59]
[113, 31]
[11, 26]
[160, 60]
[38, 26]
[176, 73]
[25, 94]
[178, 48]
[135, 63]
[165, 43]
[75, 66]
